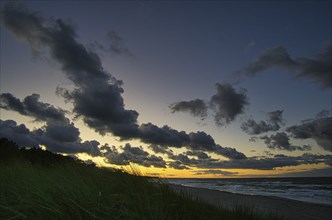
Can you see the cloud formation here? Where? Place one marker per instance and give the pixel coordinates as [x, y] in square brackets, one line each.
[177, 165]
[132, 154]
[227, 104]
[264, 163]
[318, 129]
[57, 135]
[316, 69]
[56, 139]
[31, 106]
[97, 96]
[20, 134]
[252, 127]
[199, 154]
[196, 107]
[280, 141]
[267, 162]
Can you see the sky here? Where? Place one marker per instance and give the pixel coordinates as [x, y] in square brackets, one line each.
[200, 89]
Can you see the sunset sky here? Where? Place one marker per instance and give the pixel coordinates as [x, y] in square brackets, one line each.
[181, 89]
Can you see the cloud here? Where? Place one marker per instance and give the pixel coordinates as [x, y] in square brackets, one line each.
[280, 141]
[31, 106]
[318, 129]
[199, 154]
[316, 69]
[215, 172]
[227, 103]
[196, 107]
[62, 132]
[131, 154]
[274, 120]
[166, 137]
[49, 136]
[229, 152]
[18, 133]
[177, 165]
[97, 95]
[184, 159]
[58, 135]
[264, 163]
[9, 102]
[158, 149]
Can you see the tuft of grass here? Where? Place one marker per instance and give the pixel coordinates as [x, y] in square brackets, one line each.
[69, 191]
[36, 184]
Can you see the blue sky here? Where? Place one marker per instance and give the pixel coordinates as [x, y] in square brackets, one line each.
[170, 52]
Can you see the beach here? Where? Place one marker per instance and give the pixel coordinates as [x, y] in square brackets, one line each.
[286, 208]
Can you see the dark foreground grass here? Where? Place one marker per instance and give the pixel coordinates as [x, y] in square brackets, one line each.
[70, 191]
[37, 185]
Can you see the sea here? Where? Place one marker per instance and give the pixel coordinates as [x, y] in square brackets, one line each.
[305, 189]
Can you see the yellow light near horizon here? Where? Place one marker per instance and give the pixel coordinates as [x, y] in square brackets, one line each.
[190, 173]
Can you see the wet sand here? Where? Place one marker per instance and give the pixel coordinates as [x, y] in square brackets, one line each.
[288, 209]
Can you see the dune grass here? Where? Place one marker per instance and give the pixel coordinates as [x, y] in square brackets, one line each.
[81, 192]
[72, 190]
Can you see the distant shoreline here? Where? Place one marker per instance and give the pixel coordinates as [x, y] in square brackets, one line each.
[289, 209]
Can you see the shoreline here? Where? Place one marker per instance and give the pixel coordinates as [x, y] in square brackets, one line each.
[286, 208]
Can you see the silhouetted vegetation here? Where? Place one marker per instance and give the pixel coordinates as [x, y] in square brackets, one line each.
[38, 184]
[10, 151]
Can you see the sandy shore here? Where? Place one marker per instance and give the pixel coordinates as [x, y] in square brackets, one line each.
[289, 209]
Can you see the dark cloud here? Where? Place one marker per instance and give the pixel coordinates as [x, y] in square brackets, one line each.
[196, 107]
[166, 136]
[276, 117]
[177, 165]
[97, 95]
[318, 129]
[18, 133]
[316, 69]
[230, 153]
[58, 135]
[131, 154]
[159, 149]
[227, 103]
[268, 163]
[215, 172]
[31, 106]
[274, 121]
[184, 159]
[199, 154]
[9, 102]
[50, 136]
[62, 132]
[280, 141]
[201, 140]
